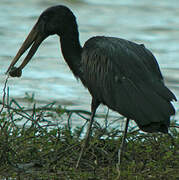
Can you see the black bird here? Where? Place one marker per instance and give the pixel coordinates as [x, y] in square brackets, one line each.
[118, 73]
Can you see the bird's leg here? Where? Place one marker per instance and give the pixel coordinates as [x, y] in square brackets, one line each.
[94, 106]
[122, 146]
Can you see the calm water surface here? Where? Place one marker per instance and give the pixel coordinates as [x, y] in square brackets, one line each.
[153, 23]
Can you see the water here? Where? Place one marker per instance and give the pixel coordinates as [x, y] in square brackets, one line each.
[153, 23]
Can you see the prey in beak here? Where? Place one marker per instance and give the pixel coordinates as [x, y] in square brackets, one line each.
[54, 20]
[33, 40]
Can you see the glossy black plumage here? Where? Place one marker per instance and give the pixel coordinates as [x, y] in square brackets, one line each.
[125, 76]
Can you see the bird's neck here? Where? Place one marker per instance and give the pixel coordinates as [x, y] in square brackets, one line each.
[71, 50]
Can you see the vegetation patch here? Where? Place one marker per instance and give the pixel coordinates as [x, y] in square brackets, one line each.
[39, 142]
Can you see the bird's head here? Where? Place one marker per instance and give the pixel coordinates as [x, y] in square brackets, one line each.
[54, 20]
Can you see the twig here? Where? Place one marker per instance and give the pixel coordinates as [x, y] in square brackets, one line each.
[4, 94]
[174, 126]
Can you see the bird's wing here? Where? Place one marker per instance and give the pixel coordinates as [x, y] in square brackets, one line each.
[126, 77]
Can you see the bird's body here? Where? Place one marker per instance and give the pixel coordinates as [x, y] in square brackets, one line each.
[125, 76]
[118, 73]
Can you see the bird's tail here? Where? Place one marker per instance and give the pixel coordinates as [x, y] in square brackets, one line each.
[159, 108]
[149, 105]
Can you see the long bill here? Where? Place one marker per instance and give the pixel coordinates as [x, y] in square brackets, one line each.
[34, 38]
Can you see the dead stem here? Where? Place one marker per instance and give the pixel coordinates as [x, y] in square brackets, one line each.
[4, 94]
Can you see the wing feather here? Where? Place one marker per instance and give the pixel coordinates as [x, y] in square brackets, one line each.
[125, 76]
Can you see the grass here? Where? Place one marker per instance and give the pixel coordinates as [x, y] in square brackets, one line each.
[40, 143]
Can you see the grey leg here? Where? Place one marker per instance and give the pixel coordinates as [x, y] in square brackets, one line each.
[121, 150]
[94, 106]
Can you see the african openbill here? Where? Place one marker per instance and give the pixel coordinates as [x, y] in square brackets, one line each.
[118, 73]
